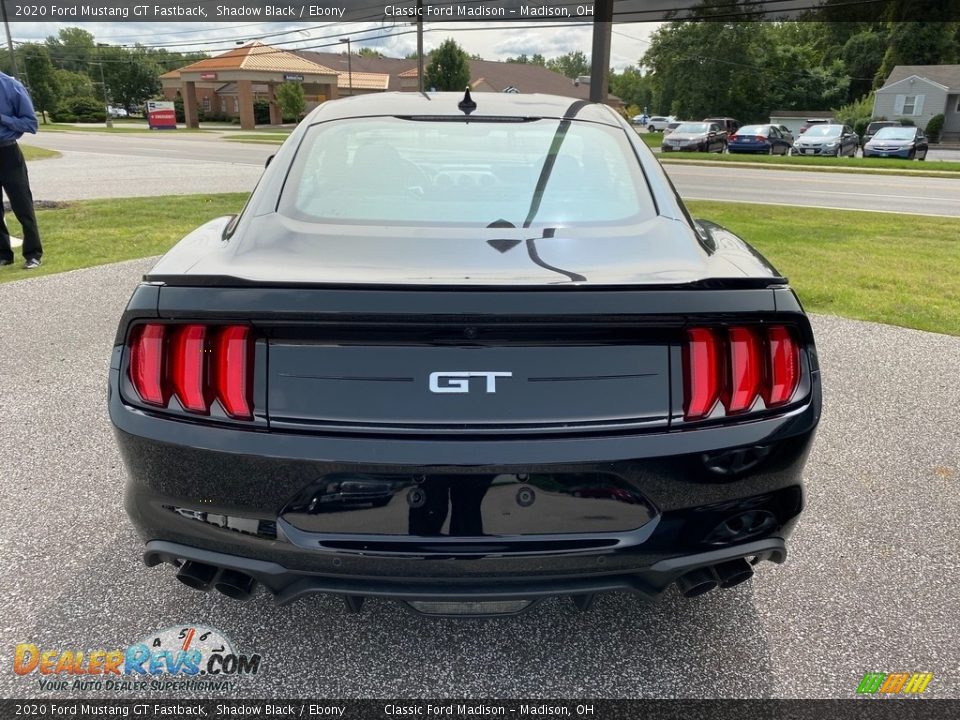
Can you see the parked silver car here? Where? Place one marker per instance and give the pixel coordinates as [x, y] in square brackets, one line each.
[830, 139]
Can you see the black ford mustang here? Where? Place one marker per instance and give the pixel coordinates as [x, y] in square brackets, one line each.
[465, 353]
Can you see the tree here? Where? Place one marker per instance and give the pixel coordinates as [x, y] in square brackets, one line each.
[632, 87]
[43, 84]
[72, 49]
[862, 57]
[131, 75]
[573, 64]
[369, 52]
[449, 68]
[291, 100]
[536, 59]
[73, 84]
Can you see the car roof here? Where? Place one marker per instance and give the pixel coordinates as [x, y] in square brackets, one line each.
[444, 104]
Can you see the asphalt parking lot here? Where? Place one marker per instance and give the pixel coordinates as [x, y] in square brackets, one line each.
[872, 582]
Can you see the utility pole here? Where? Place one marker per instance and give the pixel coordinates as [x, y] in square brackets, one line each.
[349, 63]
[419, 45]
[6, 26]
[600, 57]
[103, 84]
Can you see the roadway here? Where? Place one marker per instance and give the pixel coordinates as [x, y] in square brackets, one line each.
[116, 165]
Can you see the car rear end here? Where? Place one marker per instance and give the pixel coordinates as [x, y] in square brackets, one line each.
[593, 409]
[750, 139]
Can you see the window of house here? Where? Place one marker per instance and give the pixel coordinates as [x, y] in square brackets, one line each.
[909, 103]
[206, 103]
[236, 105]
[958, 103]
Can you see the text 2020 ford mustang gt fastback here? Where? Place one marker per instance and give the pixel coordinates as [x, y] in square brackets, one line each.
[465, 353]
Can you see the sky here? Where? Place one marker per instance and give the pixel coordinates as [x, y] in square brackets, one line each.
[492, 41]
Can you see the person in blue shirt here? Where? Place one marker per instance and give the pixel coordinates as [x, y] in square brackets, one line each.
[16, 118]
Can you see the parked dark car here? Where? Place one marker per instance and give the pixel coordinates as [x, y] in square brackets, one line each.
[835, 140]
[695, 137]
[872, 129]
[727, 125]
[900, 142]
[787, 134]
[764, 139]
[464, 353]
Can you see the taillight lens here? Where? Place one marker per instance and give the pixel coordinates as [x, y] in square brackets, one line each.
[702, 372]
[146, 364]
[784, 359]
[737, 367]
[188, 362]
[232, 377]
[746, 369]
[196, 363]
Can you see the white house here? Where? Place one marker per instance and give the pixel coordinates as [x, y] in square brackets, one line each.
[918, 92]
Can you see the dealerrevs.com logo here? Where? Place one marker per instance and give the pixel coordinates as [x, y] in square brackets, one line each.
[186, 658]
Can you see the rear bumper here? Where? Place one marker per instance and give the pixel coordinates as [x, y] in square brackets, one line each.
[289, 585]
[181, 475]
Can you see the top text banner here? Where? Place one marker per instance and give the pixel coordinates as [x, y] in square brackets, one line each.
[400, 11]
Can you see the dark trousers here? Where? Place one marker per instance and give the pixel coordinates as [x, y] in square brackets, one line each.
[16, 184]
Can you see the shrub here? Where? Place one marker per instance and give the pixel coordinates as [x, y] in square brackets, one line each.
[80, 109]
[860, 126]
[907, 122]
[935, 128]
[261, 112]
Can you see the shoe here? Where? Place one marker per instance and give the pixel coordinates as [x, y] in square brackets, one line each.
[31, 263]
[6, 262]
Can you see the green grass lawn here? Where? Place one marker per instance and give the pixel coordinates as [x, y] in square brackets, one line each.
[261, 138]
[35, 153]
[889, 268]
[812, 163]
[897, 269]
[95, 232]
[652, 140]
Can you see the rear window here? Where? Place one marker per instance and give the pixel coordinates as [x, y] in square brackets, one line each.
[394, 171]
[753, 130]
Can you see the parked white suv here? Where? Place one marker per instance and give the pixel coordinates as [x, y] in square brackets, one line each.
[658, 123]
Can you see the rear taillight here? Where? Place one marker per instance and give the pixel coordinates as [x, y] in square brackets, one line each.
[760, 138]
[737, 367]
[746, 369]
[732, 138]
[702, 368]
[197, 364]
[232, 377]
[146, 364]
[784, 366]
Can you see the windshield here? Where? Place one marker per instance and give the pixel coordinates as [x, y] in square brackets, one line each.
[823, 131]
[692, 128]
[895, 133]
[752, 130]
[394, 171]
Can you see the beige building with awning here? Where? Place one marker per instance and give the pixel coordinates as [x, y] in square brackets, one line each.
[229, 83]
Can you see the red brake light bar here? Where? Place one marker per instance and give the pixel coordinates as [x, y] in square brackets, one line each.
[738, 367]
[196, 364]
